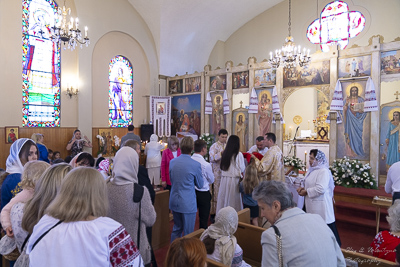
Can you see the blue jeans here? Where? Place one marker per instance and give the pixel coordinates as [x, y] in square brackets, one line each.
[183, 222]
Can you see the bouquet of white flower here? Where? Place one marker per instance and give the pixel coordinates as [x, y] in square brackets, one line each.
[352, 173]
[209, 139]
[294, 162]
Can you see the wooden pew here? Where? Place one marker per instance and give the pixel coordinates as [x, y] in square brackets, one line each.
[161, 235]
[364, 260]
[249, 239]
[244, 215]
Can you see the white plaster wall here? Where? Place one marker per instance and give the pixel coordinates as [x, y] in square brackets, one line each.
[102, 17]
[107, 48]
[388, 89]
[267, 31]
[301, 99]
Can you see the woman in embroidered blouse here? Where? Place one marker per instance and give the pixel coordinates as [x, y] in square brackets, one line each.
[232, 167]
[171, 152]
[78, 233]
[219, 239]
[385, 242]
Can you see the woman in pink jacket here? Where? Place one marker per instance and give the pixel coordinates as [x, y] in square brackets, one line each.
[168, 154]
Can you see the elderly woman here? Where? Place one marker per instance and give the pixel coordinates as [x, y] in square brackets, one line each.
[153, 160]
[219, 239]
[76, 230]
[295, 238]
[318, 190]
[385, 242]
[121, 192]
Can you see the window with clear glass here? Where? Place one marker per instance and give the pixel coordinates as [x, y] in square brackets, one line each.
[40, 65]
[120, 76]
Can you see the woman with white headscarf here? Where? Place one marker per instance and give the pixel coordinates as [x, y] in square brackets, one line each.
[221, 244]
[21, 151]
[318, 190]
[153, 160]
[122, 206]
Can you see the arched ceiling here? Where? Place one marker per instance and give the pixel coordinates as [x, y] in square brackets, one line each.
[186, 31]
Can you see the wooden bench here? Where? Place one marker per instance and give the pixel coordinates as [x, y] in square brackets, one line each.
[161, 235]
[249, 239]
[364, 260]
[244, 215]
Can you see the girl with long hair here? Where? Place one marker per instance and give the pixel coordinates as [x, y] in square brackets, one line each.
[232, 166]
[246, 187]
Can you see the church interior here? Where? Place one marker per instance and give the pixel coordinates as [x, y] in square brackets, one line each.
[199, 66]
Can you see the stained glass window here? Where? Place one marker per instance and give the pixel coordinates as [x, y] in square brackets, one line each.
[120, 76]
[336, 26]
[40, 64]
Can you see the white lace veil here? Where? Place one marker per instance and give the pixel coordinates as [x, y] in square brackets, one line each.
[226, 222]
[321, 162]
[13, 163]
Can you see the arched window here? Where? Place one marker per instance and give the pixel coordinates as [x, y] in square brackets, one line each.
[120, 77]
[41, 65]
[336, 26]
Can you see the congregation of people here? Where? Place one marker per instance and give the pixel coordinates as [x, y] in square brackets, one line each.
[100, 212]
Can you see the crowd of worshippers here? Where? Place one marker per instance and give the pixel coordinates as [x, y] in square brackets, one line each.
[100, 212]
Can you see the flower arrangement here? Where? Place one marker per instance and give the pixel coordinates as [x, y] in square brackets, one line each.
[352, 173]
[209, 139]
[294, 162]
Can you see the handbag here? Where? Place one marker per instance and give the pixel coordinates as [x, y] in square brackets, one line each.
[278, 245]
[8, 248]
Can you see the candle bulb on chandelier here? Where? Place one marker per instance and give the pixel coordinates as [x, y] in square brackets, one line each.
[86, 29]
[308, 52]
[270, 55]
[76, 23]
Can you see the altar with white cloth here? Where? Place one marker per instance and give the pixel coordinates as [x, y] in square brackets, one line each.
[302, 146]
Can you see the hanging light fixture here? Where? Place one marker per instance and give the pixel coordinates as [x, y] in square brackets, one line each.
[289, 55]
[68, 31]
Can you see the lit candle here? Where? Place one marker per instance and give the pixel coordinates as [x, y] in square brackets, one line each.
[305, 158]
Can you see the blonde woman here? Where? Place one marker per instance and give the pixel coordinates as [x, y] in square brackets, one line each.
[24, 216]
[76, 230]
[32, 172]
[43, 152]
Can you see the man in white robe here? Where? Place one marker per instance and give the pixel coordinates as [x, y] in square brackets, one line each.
[215, 159]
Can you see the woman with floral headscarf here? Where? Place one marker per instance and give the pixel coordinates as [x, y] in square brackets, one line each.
[221, 244]
[318, 190]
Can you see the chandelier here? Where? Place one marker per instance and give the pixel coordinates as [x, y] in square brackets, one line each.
[68, 31]
[290, 55]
